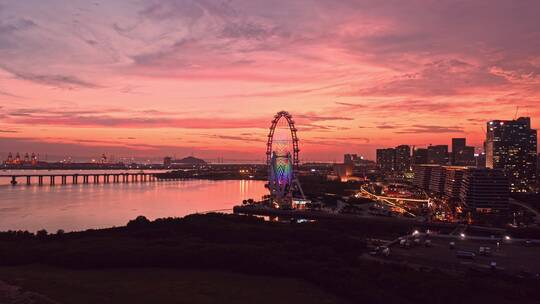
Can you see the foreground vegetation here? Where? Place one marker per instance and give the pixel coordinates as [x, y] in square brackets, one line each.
[157, 285]
[324, 254]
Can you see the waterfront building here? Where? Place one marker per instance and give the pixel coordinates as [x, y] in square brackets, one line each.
[386, 159]
[437, 155]
[485, 191]
[403, 159]
[422, 175]
[511, 145]
[453, 181]
[437, 179]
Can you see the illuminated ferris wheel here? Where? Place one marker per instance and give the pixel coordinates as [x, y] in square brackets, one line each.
[282, 159]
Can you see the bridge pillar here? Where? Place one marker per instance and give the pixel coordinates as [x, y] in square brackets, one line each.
[64, 179]
[13, 180]
[75, 179]
[96, 179]
[40, 180]
[51, 178]
[28, 180]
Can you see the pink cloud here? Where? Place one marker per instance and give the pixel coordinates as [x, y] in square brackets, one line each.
[414, 72]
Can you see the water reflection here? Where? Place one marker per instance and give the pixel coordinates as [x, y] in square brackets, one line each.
[79, 207]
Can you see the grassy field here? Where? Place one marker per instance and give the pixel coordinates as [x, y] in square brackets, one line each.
[155, 285]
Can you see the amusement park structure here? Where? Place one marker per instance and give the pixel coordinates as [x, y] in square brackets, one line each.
[282, 160]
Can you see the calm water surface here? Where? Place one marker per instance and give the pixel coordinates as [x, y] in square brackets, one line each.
[80, 207]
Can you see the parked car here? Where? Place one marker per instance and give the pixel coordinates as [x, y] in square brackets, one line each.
[465, 254]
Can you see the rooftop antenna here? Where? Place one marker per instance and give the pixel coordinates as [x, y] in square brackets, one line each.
[515, 115]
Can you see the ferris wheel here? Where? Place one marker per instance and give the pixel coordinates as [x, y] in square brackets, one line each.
[282, 159]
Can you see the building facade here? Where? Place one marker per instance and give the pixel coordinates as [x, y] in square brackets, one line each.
[511, 145]
[403, 159]
[420, 156]
[462, 155]
[453, 182]
[386, 159]
[458, 144]
[485, 191]
[437, 180]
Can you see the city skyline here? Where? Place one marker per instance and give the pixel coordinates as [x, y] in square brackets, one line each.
[456, 153]
[202, 77]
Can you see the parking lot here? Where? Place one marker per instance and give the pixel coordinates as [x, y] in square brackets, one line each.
[511, 257]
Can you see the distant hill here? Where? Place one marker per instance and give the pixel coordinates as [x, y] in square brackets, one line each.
[190, 160]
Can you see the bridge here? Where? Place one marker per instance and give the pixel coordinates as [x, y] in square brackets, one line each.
[84, 178]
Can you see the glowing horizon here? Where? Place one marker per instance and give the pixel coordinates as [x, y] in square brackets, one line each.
[205, 77]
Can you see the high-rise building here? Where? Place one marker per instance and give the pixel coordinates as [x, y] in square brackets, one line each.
[420, 156]
[437, 155]
[458, 144]
[386, 159]
[462, 155]
[485, 191]
[511, 145]
[403, 159]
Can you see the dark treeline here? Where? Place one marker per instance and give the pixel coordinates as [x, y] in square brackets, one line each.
[323, 253]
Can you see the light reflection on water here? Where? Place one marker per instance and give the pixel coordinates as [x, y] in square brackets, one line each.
[80, 207]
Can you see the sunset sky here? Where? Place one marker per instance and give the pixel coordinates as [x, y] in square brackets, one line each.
[204, 78]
